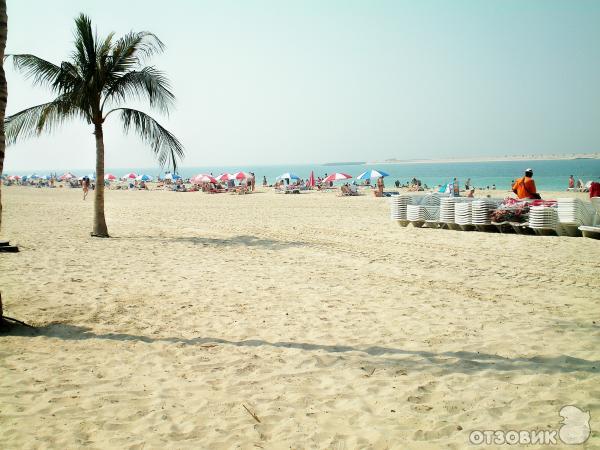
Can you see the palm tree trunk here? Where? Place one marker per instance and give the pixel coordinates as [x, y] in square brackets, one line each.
[3, 92]
[100, 229]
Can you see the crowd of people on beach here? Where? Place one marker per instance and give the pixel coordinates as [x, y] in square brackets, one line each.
[523, 187]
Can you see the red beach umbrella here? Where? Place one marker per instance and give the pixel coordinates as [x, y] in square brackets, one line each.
[337, 176]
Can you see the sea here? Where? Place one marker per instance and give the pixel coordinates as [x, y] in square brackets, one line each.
[550, 175]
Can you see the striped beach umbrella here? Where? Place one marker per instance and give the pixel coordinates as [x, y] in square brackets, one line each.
[203, 178]
[288, 176]
[241, 176]
[110, 177]
[172, 176]
[131, 175]
[67, 176]
[225, 177]
[144, 177]
[371, 174]
[337, 176]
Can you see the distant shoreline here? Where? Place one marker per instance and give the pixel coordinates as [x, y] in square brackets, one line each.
[566, 157]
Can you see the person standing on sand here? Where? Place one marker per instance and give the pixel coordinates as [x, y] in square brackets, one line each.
[571, 182]
[85, 185]
[380, 187]
[265, 181]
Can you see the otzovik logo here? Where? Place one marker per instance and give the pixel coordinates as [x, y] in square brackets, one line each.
[575, 429]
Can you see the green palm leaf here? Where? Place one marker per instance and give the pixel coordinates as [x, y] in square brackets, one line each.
[165, 145]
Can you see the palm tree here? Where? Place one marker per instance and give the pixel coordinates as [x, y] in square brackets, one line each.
[101, 74]
[3, 95]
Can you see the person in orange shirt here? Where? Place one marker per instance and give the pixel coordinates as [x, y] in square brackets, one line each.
[525, 187]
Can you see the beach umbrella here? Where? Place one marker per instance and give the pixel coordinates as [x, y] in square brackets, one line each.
[46, 177]
[241, 176]
[289, 176]
[371, 174]
[311, 179]
[14, 177]
[203, 178]
[225, 177]
[337, 176]
[110, 177]
[66, 176]
[172, 176]
[144, 177]
[131, 175]
[33, 176]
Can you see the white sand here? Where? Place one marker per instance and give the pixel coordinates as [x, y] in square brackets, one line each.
[336, 327]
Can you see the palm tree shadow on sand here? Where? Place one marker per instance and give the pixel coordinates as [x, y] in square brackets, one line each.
[418, 360]
[233, 241]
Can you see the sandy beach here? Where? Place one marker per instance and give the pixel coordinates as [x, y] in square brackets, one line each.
[333, 326]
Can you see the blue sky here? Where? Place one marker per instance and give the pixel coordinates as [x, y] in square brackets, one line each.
[271, 82]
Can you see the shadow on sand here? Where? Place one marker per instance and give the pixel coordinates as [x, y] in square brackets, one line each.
[458, 362]
[234, 241]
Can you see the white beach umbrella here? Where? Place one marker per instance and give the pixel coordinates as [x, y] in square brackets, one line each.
[371, 174]
[288, 176]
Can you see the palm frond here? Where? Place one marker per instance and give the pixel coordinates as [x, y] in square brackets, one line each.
[37, 119]
[132, 49]
[165, 145]
[148, 83]
[41, 71]
[85, 42]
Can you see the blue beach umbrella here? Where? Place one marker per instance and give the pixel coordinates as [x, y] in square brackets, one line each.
[289, 176]
[144, 177]
[371, 174]
[172, 176]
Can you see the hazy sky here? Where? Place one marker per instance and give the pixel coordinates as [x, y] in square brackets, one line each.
[270, 82]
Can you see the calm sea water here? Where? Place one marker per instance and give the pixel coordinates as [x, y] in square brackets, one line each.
[548, 175]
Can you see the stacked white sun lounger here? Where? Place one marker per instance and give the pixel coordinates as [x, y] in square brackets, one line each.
[563, 217]
[544, 220]
[398, 204]
[448, 211]
[593, 230]
[463, 215]
[481, 212]
[419, 214]
[415, 208]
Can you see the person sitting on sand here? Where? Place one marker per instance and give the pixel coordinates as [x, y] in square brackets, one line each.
[524, 187]
[471, 193]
